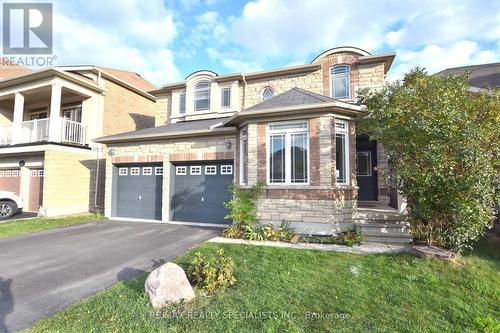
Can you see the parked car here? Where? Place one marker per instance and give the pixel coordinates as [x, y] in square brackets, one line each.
[10, 204]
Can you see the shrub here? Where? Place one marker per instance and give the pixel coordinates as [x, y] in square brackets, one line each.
[349, 238]
[234, 231]
[444, 143]
[212, 272]
[243, 206]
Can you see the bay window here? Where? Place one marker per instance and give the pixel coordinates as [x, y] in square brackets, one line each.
[342, 152]
[288, 153]
[202, 96]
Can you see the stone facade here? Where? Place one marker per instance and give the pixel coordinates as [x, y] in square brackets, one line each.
[166, 151]
[320, 207]
[307, 81]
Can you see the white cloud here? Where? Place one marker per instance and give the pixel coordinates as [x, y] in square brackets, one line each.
[436, 58]
[231, 61]
[124, 34]
[433, 34]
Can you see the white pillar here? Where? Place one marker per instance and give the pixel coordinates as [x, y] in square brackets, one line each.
[18, 118]
[55, 114]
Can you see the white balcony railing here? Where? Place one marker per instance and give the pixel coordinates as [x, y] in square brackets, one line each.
[38, 131]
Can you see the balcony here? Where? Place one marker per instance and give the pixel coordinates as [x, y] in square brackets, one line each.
[38, 130]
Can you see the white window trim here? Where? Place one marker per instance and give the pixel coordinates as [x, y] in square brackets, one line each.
[209, 90]
[15, 173]
[346, 149]
[147, 171]
[158, 171]
[222, 88]
[288, 153]
[181, 170]
[243, 167]
[41, 173]
[183, 92]
[230, 172]
[122, 171]
[133, 170]
[348, 82]
[207, 172]
[369, 154]
[8, 173]
[2, 173]
[192, 169]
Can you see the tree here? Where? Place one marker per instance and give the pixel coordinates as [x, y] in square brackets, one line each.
[444, 143]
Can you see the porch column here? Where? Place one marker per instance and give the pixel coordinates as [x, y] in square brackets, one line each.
[18, 118]
[55, 113]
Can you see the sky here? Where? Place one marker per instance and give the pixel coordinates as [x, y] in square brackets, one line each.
[166, 40]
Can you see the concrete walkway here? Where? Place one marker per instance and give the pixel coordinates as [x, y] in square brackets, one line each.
[364, 248]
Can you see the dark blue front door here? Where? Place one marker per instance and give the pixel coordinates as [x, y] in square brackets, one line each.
[366, 162]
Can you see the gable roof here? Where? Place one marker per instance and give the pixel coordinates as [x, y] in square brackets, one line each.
[294, 102]
[293, 97]
[481, 76]
[132, 78]
[183, 128]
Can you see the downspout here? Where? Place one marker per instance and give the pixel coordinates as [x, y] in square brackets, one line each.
[244, 91]
[96, 178]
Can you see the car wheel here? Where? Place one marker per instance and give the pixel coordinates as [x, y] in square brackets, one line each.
[7, 209]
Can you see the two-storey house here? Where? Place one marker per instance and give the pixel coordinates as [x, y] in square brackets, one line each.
[291, 128]
[48, 119]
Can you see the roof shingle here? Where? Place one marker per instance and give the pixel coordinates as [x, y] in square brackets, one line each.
[481, 76]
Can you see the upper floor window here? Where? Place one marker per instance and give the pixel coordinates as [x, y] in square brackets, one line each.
[341, 82]
[342, 152]
[202, 96]
[182, 102]
[225, 97]
[267, 93]
[288, 149]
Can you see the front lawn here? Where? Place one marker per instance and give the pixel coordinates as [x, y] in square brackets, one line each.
[289, 290]
[19, 227]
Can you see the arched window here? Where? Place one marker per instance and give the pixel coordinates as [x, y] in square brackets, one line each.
[267, 93]
[202, 96]
[341, 82]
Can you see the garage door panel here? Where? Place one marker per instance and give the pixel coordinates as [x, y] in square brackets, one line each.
[10, 180]
[200, 198]
[139, 195]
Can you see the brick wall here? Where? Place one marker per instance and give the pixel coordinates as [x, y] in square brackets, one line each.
[125, 110]
[67, 185]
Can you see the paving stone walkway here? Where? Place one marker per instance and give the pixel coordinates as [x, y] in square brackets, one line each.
[364, 248]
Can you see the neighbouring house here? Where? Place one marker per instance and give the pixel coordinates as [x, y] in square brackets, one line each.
[291, 128]
[480, 76]
[48, 120]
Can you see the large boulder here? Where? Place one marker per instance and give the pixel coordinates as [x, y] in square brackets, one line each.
[168, 283]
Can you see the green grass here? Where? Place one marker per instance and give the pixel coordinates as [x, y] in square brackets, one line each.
[19, 227]
[359, 293]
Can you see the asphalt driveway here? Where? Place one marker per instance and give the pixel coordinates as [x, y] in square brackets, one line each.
[43, 273]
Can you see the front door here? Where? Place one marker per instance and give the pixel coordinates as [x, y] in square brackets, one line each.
[366, 162]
